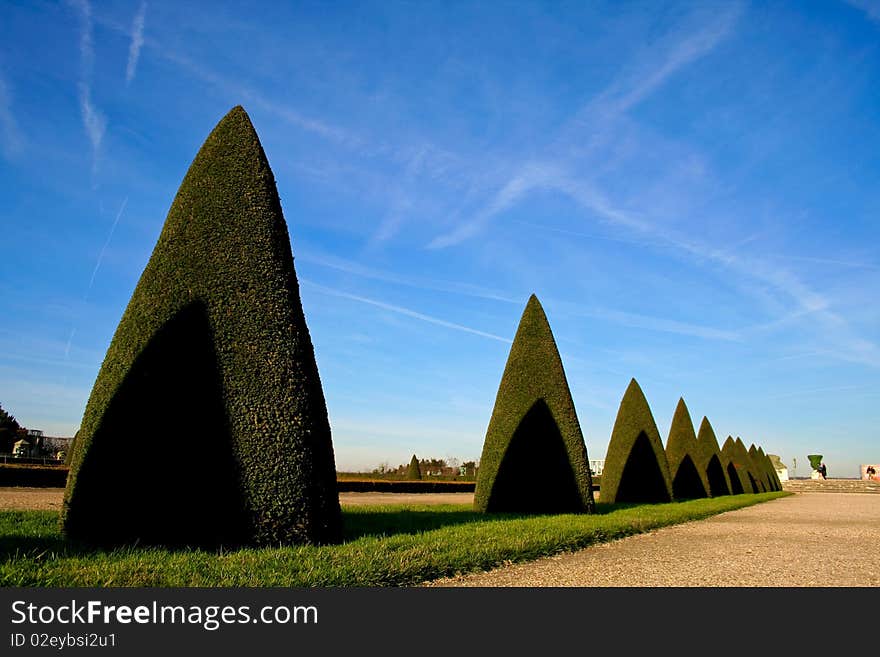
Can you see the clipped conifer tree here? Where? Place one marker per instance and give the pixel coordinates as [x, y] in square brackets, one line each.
[689, 481]
[735, 468]
[750, 467]
[760, 470]
[413, 472]
[768, 469]
[534, 459]
[710, 460]
[215, 338]
[635, 465]
[771, 466]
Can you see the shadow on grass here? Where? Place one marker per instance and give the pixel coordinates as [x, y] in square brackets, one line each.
[36, 534]
[406, 521]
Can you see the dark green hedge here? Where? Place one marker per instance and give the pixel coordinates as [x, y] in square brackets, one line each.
[387, 486]
[760, 470]
[414, 472]
[710, 461]
[769, 470]
[534, 459]
[207, 422]
[688, 479]
[751, 471]
[33, 476]
[775, 475]
[736, 469]
[635, 464]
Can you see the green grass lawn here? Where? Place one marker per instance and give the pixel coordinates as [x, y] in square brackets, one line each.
[384, 546]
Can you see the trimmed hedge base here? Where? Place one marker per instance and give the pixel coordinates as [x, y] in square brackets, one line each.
[56, 477]
[385, 486]
[34, 476]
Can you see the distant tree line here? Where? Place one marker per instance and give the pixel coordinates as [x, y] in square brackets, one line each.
[451, 469]
[11, 432]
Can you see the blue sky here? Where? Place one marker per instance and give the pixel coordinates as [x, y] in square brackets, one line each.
[691, 189]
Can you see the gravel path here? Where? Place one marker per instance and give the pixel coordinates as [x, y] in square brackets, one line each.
[807, 539]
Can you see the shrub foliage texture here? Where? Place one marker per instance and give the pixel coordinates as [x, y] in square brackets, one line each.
[534, 459]
[413, 472]
[689, 481]
[751, 473]
[635, 464]
[214, 336]
[710, 460]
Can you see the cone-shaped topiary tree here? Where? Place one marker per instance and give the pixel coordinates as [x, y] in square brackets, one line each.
[760, 471]
[635, 464]
[534, 459]
[215, 338]
[736, 468]
[413, 472]
[743, 465]
[743, 456]
[688, 480]
[768, 470]
[771, 470]
[709, 460]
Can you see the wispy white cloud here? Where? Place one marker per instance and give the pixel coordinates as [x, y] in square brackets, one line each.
[853, 264]
[95, 271]
[137, 41]
[848, 345]
[686, 46]
[247, 94]
[359, 270]
[870, 7]
[662, 324]
[13, 141]
[582, 147]
[94, 121]
[406, 312]
[531, 176]
[106, 244]
[553, 169]
[818, 391]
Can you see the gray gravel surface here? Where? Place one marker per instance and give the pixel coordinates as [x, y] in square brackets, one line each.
[807, 539]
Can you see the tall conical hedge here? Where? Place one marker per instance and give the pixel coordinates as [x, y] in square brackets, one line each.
[710, 460]
[635, 465]
[768, 470]
[736, 469]
[760, 470]
[534, 459]
[413, 471]
[750, 467]
[207, 422]
[771, 470]
[689, 481]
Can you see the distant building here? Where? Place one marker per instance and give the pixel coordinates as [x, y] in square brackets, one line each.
[22, 449]
[39, 445]
[596, 466]
[779, 466]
